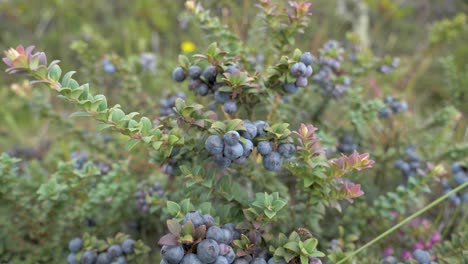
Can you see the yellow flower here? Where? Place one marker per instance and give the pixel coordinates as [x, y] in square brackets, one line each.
[187, 46]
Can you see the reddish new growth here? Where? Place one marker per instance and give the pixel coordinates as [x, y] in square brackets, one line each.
[308, 140]
[21, 59]
[298, 9]
[346, 164]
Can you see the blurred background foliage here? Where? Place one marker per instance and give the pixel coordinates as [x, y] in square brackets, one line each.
[429, 36]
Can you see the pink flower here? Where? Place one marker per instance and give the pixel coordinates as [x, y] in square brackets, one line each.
[418, 245]
[428, 244]
[388, 252]
[394, 214]
[436, 237]
[405, 254]
[353, 190]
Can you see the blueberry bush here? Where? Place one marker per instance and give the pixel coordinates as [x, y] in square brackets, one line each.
[279, 132]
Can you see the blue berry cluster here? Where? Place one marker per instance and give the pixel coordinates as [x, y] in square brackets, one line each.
[167, 104]
[214, 248]
[388, 68]
[419, 255]
[328, 76]
[301, 71]
[411, 164]
[114, 254]
[204, 82]
[142, 193]
[230, 148]
[393, 107]
[460, 176]
[108, 66]
[346, 144]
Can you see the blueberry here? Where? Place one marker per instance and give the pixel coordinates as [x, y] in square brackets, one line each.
[308, 72]
[464, 197]
[195, 217]
[389, 260]
[121, 260]
[230, 256]
[227, 236]
[208, 251]
[291, 88]
[347, 139]
[222, 161]
[233, 152]
[172, 254]
[215, 233]
[261, 125]
[194, 71]
[71, 259]
[194, 83]
[314, 260]
[286, 150]
[264, 147]
[109, 68]
[214, 144]
[221, 260]
[231, 138]
[232, 69]
[388, 99]
[298, 69]
[128, 245]
[423, 257]
[115, 251]
[301, 81]
[250, 132]
[385, 112]
[75, 245]
[191, 259]
[460, 177]
[241, 261]
[272, 161]
[258, 261]
[203, 89]
[230, 107]
[208, 220]
[240, 160]
[222, 97]
[248, 147]
[272, 261]
[307, 58]
[210, 73]
[104, 258]
[456, 167]
[88, 257]
[178, 74]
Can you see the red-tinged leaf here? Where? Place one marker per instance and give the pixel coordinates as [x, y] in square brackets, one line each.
[200, 231]
[168, 240]
[174, 226]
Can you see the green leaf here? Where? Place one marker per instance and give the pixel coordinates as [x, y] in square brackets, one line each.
[55, 72]
[146, 125]
[131, 144]
[173, 208]
[310, 245]
[102, 126]
[80, 114]
[293, 246]
[117, 114]
[304, 259]
[66, 78]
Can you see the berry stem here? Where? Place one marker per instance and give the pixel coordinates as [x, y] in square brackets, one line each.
[408, 219]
